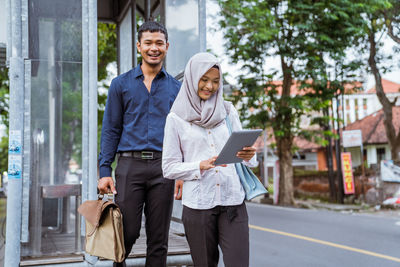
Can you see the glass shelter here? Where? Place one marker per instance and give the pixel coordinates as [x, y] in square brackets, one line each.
[52, 55]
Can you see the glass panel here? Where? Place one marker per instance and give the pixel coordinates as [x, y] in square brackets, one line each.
[125, 42]
[183, 37]
[56, 117]
[55, 48]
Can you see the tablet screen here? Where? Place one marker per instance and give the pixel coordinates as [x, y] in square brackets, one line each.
[235, 143]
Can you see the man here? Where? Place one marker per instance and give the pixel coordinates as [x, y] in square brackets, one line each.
[133, 127]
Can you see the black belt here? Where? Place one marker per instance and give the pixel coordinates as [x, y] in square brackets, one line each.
[141, 154]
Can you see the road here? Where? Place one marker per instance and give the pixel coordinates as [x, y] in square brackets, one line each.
[305, 238]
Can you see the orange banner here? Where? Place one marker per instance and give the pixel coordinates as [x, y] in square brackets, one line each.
[348, 179]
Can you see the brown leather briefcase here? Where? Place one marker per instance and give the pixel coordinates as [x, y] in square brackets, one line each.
[104, 231]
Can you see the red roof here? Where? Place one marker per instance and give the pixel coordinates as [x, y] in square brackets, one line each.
[350, 88]
[388, 87]
[372, 127]
[299, 142]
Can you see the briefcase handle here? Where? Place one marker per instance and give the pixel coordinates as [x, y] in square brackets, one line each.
[105, 197]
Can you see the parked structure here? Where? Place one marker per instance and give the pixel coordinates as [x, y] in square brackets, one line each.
[52, 57]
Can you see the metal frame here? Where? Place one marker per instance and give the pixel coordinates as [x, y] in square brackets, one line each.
[16, 74]
[89, 101]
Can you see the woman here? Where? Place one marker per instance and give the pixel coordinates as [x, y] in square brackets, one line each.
[214, 212]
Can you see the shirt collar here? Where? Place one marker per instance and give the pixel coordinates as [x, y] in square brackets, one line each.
[138, 71]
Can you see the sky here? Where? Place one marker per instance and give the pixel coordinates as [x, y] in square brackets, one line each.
[3, 22]
[215, 43]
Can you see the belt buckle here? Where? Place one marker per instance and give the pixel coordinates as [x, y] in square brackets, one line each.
[147, 155]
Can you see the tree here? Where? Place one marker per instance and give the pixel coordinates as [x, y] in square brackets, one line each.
[392, 20]
[381, 14]
[304, 35]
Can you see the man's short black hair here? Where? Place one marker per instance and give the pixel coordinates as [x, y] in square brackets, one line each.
[152, 26]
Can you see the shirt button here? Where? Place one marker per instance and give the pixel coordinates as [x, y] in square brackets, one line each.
[217, 184]
[216, 171]
[209, 132]
[212, 145]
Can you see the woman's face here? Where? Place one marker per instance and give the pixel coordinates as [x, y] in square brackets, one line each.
[208, 84]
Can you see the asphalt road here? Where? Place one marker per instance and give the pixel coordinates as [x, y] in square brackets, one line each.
[305, 238]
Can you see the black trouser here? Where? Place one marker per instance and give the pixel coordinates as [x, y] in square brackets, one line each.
[140, 182]
[206, 229]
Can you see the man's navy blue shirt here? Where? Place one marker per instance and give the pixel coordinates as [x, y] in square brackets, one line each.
[134, 118]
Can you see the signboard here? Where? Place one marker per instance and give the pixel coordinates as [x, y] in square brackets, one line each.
[14, 167]
[348, 179]
[389, 171]
[352, 138]
[14, 143]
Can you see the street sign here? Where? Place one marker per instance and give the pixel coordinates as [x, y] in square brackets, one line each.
[348, 179]
[389, 171]
[352, 138]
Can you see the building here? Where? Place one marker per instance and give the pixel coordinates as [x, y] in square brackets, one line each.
[375, 142]
[362, 111]
[356, 105]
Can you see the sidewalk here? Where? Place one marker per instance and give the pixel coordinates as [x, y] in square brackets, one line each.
[345, 208]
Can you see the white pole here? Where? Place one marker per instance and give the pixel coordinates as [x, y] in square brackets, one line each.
[16, 111]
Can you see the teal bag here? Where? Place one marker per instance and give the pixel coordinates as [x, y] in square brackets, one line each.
[250, 182]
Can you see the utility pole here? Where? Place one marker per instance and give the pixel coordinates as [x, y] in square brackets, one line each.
[329, 161]
[16, 131]
[340, 193]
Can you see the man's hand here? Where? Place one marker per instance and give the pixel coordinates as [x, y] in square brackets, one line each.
[246, 153]
[106, 185]
[178, 189]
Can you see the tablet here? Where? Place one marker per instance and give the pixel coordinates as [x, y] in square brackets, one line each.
[235, 143]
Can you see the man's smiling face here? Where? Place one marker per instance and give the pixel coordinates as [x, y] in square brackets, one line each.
[153, 47]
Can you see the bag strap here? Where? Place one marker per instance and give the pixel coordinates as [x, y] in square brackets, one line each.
[228, 124]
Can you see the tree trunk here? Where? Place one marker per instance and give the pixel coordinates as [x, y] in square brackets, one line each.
[285, 142]
[387, 106]
[329, 160]
[286, 196]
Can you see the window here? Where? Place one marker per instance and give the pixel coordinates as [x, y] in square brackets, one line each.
[356, 109]
[380, 154]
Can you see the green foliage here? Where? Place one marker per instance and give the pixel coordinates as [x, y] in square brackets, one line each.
[107, 53]
[310, 37]
[107, 47]
[4, 96]
[306, 35]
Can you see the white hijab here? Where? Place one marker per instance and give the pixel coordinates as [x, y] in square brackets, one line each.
[189, 106]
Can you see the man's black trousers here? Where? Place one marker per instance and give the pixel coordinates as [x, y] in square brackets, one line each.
[140, 183]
